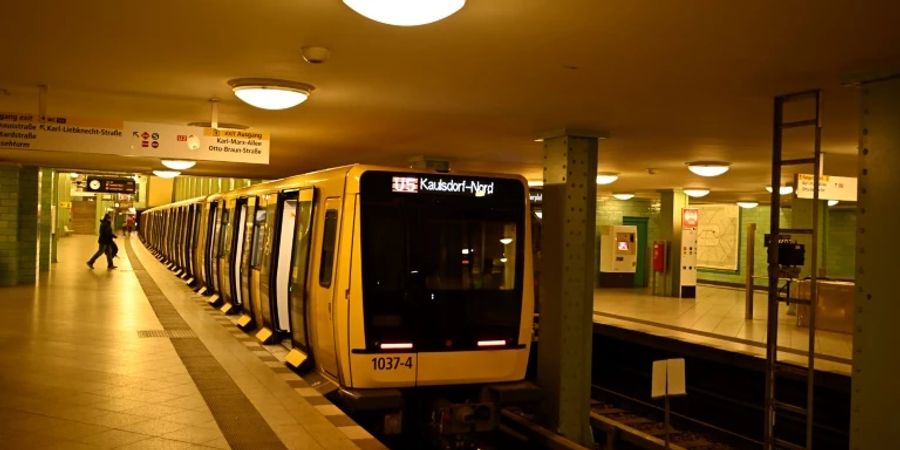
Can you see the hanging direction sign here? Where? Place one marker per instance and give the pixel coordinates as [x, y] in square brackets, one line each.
[143, 139]
[830, 187]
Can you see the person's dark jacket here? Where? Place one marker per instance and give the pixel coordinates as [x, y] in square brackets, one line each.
[106, 233]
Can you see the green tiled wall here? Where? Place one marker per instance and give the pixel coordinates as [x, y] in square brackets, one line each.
[190, 186]
[840, 243]
[612, 211]
[840, 246]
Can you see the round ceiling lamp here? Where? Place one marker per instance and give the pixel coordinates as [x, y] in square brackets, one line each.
[708, 168]
[783, 190]
[696, 192]
[166, 173]
[270, 94]
[604, 178]
[748, 205]
[406, 13]
[833, 202]
[623, 196]
[73, 175]
[178, 164]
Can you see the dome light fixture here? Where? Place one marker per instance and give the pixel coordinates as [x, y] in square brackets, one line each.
[696, 192]
[623, 196]
[783, 190]
[833, 202]
[178, 164]
[166, 173]
[270, 94]
[406, 13]
[73, 175]
[708, 168]
[748, 205]
[604, 178]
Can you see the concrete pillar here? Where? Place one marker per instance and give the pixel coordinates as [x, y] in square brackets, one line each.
[802, 217]
[876, 361]
[672, 201]
[567, 282]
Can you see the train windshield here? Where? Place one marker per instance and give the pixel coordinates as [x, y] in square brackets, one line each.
[442, 260]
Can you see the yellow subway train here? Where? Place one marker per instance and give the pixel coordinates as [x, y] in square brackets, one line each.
[381, 281]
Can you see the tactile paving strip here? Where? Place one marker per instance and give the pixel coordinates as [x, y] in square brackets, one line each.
[171, 334]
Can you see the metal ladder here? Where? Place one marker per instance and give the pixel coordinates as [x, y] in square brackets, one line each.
[776, 409]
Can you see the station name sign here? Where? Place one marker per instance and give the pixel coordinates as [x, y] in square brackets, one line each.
[442, 185]
[110, 185]
[22, 131]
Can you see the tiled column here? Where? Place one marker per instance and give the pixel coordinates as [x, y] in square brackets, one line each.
[567, 282]
[29, 181]
[672, 201]
[876, 361]
[9, 222]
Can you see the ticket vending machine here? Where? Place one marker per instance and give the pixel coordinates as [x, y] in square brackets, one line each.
[618, 255]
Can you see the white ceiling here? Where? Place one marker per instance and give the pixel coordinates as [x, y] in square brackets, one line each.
[670, 81]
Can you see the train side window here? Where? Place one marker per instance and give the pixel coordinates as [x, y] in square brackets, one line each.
[326, 263]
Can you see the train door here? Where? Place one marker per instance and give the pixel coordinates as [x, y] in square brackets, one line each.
[212, 223]
[237, 257]
[259, 252]
[222, 251]
[247, 257]
[323, 289]
[298, 274]
[283, 253]
[214, 247]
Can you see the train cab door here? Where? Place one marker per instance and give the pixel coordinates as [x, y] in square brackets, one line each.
[323, 288]
[237, 256]
[210, 251]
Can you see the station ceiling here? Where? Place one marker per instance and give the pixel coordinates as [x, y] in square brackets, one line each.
[669, 81]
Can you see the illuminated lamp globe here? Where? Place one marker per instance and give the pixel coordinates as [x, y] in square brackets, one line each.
[178, 164]
[623, 196]
[406, 13]
[748, 205]
[166, 173]
[696, 192]
[783, 190]
[604, 178]
[708, 168]
[270, 94]
[833, 202]
[73, 175]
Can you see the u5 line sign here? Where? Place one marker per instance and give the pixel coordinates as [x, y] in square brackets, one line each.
[78, 135]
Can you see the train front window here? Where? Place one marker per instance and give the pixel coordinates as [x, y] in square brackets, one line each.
[441, 270]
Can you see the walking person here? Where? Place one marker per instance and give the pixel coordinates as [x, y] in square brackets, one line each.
[105, 242]
[129, 225]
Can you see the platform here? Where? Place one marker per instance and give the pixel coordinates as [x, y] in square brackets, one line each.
[716, 319]
[130, 358]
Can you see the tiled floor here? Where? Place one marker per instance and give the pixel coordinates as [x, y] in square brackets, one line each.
[74, 372]
[716, 318]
